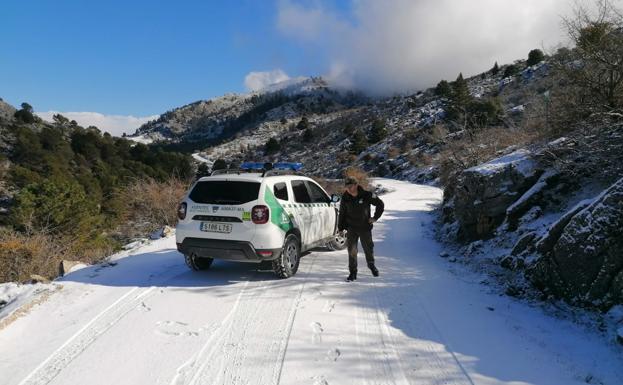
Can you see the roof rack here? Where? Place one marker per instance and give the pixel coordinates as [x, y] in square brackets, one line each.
[237, 171]
[266, 169]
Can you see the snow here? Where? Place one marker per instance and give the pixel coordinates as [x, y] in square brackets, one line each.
[14, 295]
[140, 139]
[520, 160]
[147, 319]
[201, 159]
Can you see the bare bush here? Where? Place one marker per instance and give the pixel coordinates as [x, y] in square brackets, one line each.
[23, 254]
[595, 65]
[149, 205]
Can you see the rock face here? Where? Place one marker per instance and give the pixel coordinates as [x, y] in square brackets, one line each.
[6, 110]
[485, 192]
[582, 256]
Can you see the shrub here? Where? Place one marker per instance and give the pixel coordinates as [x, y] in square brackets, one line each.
[535, 57]
[148, 205]
[358, 142]
[272, 146]
[308, 135]
[443, 89]
[378, 131]
[303, 124]
[510, 70]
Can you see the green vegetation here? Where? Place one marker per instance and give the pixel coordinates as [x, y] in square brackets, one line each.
[272, 146]
[378, 131]
[67, 182]
[535, 57]
[358, 142]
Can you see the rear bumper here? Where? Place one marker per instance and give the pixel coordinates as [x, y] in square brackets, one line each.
[241, 251]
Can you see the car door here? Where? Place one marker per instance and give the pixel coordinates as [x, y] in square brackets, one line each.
[302, 210]
[323, 221]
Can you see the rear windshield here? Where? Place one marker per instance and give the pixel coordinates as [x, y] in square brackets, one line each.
[225, 192]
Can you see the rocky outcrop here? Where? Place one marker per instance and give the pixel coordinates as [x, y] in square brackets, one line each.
[6, 110]
[484, 193]
[582, 254]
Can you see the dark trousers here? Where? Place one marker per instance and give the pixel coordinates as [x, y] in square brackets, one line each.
[352, 237]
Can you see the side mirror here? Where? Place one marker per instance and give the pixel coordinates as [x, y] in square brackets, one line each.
[335, 198]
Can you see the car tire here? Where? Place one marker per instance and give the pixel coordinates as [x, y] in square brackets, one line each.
[197, 263]
[287, 263]
[337, 242]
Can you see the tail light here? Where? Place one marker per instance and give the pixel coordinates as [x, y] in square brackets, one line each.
[259, 214]
[181, 210]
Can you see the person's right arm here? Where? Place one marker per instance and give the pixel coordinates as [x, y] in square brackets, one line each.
[341, 223]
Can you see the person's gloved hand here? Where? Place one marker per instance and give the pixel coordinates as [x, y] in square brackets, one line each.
[371, 220]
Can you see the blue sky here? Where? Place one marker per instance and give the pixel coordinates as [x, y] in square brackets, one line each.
[133, 59]
[137, 57]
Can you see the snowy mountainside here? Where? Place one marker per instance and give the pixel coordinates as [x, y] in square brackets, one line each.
[217, 119]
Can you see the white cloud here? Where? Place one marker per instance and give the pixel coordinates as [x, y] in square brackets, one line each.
[255, 81]
[403, 45]
[115, 125]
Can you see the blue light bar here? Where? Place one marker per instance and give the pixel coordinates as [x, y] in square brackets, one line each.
[252, 166]
[288, 166]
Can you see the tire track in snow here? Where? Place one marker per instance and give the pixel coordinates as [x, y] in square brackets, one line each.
[373, 335]
[251, 343]
[378, 350]
[76, 344]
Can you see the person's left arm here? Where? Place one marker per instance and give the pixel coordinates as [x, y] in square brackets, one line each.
[379, 207]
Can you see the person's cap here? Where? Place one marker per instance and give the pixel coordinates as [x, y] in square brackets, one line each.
[350, 180]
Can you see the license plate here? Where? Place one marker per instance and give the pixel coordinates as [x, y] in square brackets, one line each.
[213, 227]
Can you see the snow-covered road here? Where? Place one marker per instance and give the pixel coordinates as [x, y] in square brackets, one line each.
[149, 320]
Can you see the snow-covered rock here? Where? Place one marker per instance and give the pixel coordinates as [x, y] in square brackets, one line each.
[582, 260]
[485, 192]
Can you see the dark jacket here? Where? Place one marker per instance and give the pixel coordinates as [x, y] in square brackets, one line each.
[355, 211]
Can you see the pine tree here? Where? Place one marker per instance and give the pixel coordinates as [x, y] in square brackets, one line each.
[443, 89]
[272, 146]
[358, 143]
[460, 92]
[496, 69]
[378, 132]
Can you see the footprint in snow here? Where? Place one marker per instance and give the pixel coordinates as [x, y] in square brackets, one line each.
[333, 354]
[144, 307]
[320, 380]
[329, 306]
[175, 329]
[317, 335]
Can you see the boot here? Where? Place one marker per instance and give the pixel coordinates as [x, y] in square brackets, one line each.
[352, 276]
[373, 269]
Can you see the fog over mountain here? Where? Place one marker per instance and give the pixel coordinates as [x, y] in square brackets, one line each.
[402, 45]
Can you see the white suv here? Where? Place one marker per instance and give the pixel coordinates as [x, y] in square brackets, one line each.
[255, 215]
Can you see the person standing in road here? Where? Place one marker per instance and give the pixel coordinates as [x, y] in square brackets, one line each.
[355, 218]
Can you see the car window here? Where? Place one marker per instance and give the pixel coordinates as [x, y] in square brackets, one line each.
[300, 192]
[316, 193]
[225, 192]
[281, 192]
